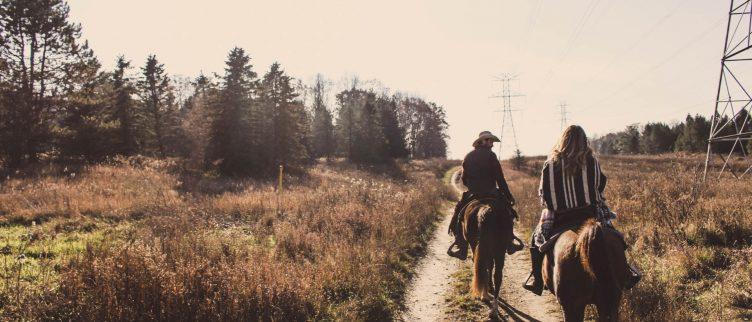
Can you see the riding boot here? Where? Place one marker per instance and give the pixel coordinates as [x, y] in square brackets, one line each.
[455, 228]
[459, 240]
[634, 277]
[536, 258]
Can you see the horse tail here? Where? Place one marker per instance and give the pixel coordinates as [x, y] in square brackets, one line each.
[482, 256]
[594, 254]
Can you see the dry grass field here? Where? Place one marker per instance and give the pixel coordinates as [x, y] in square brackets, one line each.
[141, 240]
[692, 239]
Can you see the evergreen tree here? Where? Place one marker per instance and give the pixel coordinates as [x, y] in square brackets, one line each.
[628, 141]
[694, 135]
[288, 119]
[123, 107]
[657, 138]
[159, 114]
[87, 131]
[360, 127]
[232, 145]
[42, 59]
[323, 128]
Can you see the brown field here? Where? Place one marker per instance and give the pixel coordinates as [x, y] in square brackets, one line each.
[141, 240]
[692, 240]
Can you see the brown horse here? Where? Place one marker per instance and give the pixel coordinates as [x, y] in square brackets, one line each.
[587, 267]
[489, 233]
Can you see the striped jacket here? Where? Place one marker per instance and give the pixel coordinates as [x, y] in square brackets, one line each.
[559, 192]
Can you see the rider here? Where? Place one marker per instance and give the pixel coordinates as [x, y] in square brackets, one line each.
[483, 176]
[571, 182]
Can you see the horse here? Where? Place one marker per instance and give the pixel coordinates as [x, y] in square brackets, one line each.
[587, 266]
[487, 226]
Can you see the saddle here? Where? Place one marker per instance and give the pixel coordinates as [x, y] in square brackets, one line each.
[572, 220]
[496, 202]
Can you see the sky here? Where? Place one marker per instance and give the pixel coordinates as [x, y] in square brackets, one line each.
[613, 63]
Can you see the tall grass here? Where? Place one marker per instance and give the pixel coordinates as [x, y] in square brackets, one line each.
[341, 247]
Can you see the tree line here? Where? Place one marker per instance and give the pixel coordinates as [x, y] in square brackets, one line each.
[691, 135]
[57, 102]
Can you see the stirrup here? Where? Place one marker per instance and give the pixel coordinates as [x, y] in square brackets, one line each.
[515, 247]
[457, 254]
[537, 290]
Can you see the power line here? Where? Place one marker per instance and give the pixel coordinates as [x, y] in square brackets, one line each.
[525, 37]
[576, 32]
[639, 40]
[655, 67]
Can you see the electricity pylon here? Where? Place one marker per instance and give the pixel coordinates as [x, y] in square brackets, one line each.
[563, 109]
[730, 127]
[506, 110]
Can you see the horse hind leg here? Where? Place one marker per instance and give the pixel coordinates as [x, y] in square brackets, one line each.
[574, 313]
[498, 273]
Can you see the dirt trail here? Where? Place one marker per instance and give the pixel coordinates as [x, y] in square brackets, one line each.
[425, 297]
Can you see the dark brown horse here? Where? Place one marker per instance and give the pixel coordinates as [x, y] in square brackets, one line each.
[587, 267]
[487, 226]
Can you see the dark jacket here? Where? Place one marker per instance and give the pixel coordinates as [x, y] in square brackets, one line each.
[481, 173]
[560, 192]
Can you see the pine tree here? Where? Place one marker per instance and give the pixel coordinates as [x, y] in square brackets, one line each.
[123, 107]
[232, 145]
[656, 138]
[694, 135]
[288, 118]
[629, 140]
[323, 128]
[87, 131]
[42, 59]
[157, 101]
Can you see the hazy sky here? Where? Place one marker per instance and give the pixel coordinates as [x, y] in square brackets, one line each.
[613, 62]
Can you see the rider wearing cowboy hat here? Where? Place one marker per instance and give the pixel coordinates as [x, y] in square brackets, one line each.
[483, 176]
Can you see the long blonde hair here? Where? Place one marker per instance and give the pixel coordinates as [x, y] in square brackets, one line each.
[573, 149]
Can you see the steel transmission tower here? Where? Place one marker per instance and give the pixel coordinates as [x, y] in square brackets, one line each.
[563, 109]
[730, 126]
[506, 110]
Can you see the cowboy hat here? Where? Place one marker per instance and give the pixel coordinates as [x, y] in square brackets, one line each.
[485, 135]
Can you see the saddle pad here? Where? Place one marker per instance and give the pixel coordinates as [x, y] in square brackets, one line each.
[551, 241]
